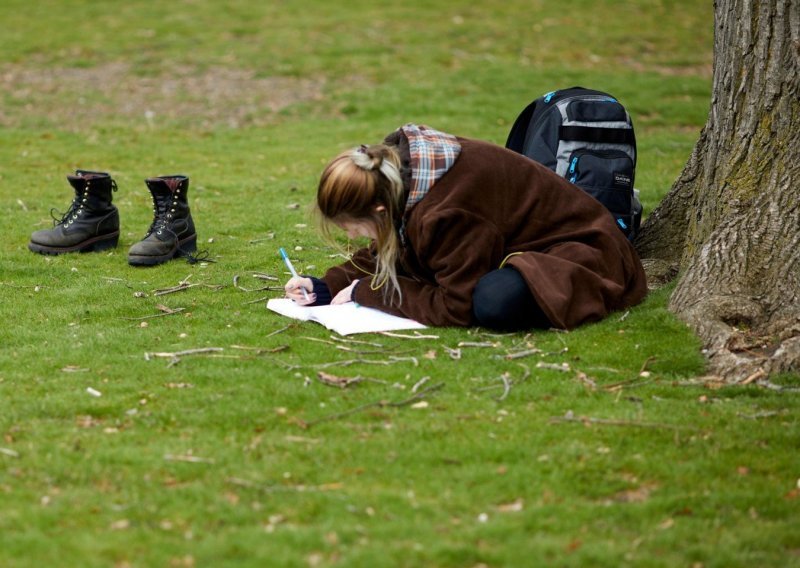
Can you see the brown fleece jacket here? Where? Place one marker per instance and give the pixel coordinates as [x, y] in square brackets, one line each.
[493, 203]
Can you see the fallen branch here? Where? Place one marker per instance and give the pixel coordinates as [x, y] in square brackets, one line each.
[376, 404]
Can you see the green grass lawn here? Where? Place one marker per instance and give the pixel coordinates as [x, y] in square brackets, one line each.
[598, 451]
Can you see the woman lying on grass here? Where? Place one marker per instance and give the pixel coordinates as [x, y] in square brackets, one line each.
[468, 233]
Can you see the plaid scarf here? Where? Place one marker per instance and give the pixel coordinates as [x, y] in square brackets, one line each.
[433, 153]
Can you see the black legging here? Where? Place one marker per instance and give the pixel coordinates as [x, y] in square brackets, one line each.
[503, 301]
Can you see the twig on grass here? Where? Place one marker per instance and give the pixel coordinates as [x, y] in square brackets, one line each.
[419, 383]
[508, 382]
[586, 380]
[478, 344]
[506, 386]
[563, 367]
[184, 285]
[416, 335]
[261, 276]
[355, 341]
[764, 414]
[262, 350]
[521, 354]
[587, 420]
[646, 364]
[277, 331]
[175, 357]
[178, 288]
[340, 347]
[283, 488]
[346, 363]
[376, 404]
[454, 354]
[165, 311]
[187, 458]
[629, 384]
[344, 382]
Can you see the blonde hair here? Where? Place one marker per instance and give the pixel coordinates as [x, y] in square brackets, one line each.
[352, 188]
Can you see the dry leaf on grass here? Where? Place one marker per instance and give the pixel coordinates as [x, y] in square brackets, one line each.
[512, 507]
[339, 382]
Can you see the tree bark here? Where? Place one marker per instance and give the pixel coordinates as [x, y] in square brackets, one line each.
[730, 225]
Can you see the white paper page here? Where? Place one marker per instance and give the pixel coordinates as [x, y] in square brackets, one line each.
[344, 319]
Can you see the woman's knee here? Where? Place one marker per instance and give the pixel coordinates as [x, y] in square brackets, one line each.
[502, 300]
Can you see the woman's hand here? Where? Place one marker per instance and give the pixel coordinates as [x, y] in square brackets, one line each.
[345, 295]
[294, 290]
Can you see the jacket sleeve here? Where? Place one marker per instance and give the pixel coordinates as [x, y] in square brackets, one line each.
[454, 249]
[361, 265]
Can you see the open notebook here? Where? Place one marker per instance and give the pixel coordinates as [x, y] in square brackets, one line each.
[344, 319]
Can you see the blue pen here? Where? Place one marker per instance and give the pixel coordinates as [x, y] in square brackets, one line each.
[288, 264]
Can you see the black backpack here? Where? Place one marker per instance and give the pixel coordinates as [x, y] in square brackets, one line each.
[587, 137]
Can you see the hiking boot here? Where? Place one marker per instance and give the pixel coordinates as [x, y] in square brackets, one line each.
[171, 234]
[90, 224]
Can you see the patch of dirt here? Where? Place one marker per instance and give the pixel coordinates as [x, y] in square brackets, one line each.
[79, 98]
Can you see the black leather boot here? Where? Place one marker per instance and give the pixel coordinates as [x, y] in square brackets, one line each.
[90, 224]
[171, 234]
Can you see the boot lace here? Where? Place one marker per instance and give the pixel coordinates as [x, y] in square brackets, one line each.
[76, 208]
[60, 218]
[162, 215]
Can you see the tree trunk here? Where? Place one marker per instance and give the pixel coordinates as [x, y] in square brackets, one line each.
[731, 222]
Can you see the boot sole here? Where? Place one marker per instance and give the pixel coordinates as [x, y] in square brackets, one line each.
[95, 244]
[183, 248]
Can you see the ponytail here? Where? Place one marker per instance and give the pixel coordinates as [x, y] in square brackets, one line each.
[351, 188]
